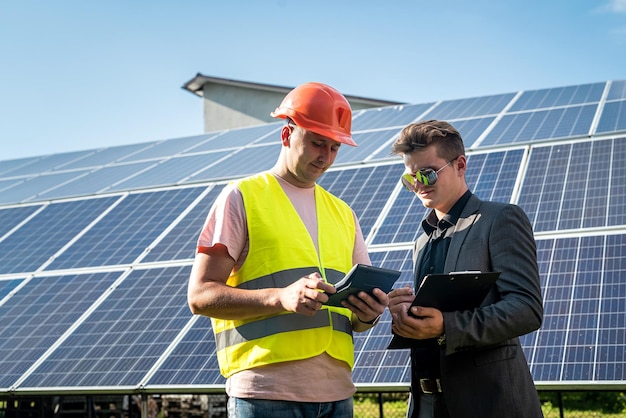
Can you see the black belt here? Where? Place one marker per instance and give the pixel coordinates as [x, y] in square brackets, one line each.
[430, 386]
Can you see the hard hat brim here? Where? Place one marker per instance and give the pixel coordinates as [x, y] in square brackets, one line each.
[312, 126]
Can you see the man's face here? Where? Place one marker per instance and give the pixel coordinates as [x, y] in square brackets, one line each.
[310, 155]
[450, 184]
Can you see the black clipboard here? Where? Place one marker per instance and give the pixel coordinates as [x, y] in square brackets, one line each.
[365, 278]
[456, 291]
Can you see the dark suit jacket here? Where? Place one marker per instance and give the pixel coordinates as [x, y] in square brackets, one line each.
[484, 372]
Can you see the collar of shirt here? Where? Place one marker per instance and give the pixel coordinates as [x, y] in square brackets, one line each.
[431, 223]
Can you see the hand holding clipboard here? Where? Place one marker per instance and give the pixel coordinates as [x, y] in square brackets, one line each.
[456, 291]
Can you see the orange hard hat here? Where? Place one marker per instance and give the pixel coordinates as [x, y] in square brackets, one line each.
[318, 108]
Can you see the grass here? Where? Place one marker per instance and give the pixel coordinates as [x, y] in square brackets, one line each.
[395, 406]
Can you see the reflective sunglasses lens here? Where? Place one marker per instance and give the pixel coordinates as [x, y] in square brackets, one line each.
[408, 182]
[427, 177]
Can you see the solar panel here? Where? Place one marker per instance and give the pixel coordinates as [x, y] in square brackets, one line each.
[239, 137]
[386, 117]
[39, 314]
[613, 117]
[567, 186]
[29, 247]
[11, 217]
[7, 184]
[50, 163]
[373, 363]
[366, 190]
[104, 156]
[369, 143]
[584, 330]
[127, 230]
[492, 176]
[97, 180]
[6, 286]
[192, 361]
[169, 148]
[8, 166]
[402, 222]
[122, 338]
[239, 163]
[166, 172]
[271, 136]
[541, 125]
[34, 187]
[559, 96]
[472, 129]
[617, 90]
[180, 242]
[617, 191]
[471, 107]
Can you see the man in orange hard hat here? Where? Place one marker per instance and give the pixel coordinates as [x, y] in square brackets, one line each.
[271, 247]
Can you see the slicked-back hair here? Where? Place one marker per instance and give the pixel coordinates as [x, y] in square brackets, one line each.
[417, 136]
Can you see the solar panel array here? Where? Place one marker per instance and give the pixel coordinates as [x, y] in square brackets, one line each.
[96, 246]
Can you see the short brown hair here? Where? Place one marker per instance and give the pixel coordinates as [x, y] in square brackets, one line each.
[417, 136]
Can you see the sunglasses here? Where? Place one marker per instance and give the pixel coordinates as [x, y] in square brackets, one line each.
[425, 176]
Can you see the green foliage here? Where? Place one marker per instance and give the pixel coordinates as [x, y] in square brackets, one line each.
[605, 402]
[367, 405]
[588, 404]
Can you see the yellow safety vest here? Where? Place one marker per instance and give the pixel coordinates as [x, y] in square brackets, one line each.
[281, 251]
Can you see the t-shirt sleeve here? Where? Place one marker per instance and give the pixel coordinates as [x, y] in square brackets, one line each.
[225, 224]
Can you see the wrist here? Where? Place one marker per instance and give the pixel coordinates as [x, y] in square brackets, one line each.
[372, 322]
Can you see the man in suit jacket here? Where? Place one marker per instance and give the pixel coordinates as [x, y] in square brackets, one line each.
[466, 363]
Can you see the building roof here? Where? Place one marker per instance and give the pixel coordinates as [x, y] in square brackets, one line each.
[196, 84]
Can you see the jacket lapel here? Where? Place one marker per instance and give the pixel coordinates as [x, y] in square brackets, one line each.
[468, 217]
[418, 255]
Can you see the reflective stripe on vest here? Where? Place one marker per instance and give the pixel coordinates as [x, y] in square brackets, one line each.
[281, 252]
[282, 323]
[285, 278]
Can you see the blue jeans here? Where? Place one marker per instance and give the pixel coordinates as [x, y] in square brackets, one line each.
[261, 408]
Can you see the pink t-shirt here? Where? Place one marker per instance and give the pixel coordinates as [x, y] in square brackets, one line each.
[302, 380]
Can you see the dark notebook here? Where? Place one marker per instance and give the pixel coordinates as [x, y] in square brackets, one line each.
[363, 278]
[457, 291]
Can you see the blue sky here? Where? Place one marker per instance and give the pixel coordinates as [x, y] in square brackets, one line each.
[78, 75]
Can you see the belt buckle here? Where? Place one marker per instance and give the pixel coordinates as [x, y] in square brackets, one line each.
[430, 386]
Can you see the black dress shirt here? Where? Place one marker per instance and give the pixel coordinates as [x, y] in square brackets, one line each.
[425, 360]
